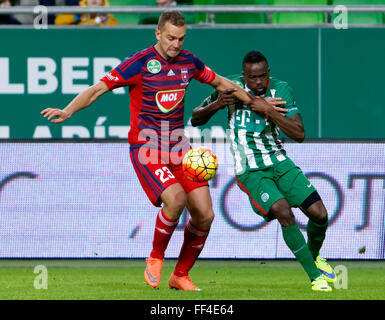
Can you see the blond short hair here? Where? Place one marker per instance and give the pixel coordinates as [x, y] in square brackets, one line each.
[172, 16]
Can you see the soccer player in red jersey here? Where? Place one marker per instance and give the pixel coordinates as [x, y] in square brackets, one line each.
[157, 78]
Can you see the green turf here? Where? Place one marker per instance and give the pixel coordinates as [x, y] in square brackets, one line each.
[219, 280]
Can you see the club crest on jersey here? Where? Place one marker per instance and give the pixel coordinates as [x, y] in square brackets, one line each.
[154, 66]
[184, 73]
[169, 99]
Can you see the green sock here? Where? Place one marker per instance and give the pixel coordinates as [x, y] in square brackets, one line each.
[315, 236]
[297, 244]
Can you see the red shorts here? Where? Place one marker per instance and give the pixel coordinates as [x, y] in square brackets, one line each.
[158, 170]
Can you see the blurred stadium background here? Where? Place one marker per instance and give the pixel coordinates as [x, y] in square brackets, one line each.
[69, 191]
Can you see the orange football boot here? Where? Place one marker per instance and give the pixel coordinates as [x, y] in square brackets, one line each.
[182, 283]
[152, 272]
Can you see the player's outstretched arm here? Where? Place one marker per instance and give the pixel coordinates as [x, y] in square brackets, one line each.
[257, 103]
[221, 84]
[227, 92]
[81, 101]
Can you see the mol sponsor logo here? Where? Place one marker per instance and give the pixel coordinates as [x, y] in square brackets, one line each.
[168, 100]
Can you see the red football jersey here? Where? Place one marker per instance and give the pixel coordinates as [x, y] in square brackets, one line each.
[157, 88]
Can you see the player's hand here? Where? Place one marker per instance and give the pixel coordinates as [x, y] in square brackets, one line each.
[226, 98]
[259, 104]
[275, 103]
[59, 115]
[264, 106]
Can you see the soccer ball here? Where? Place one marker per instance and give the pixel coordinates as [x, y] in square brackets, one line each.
[199, 164]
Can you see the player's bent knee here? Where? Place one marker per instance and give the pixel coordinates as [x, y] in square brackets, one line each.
[176, 203]
[321, 217]
[209, 217]
[282, 211]
[179, 202]
[202, 218]
[318, 213]
[287, 218]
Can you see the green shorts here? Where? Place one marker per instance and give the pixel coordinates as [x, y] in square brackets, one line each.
[282, 180]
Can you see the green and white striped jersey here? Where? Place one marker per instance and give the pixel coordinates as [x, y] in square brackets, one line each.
[254, 142]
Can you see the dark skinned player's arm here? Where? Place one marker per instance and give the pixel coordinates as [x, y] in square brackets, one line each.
[203, 113]
[292, 126]
[228, 90]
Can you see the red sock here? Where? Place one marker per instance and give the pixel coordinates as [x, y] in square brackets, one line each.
[194, 240]
[164, 228]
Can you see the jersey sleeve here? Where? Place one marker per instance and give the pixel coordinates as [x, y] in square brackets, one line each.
[125, 74]
[202, 72]
[286, 93]
[210, 99]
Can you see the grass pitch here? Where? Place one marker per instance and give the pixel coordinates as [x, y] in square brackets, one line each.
[219, 280]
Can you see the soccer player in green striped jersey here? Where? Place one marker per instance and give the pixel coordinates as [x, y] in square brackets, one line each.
[273, 183]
